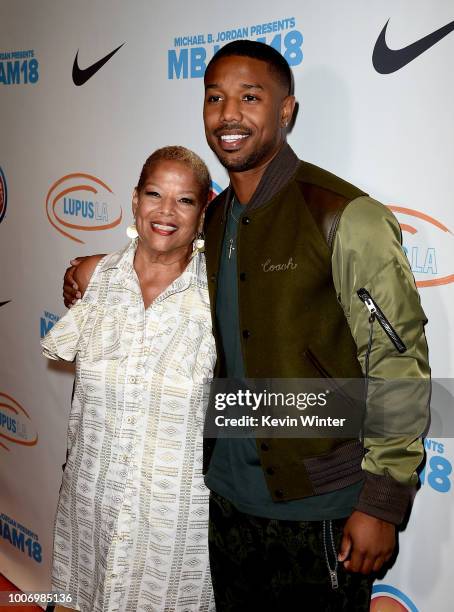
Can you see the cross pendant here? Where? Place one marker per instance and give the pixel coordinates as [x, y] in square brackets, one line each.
[231, 247]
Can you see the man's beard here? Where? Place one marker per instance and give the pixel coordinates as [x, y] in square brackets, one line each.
[248, 162]
[241, 165]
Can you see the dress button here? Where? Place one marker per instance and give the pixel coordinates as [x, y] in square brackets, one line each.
[270, 471]
[213, 278]
[245, 220]
[279, 493]
[243, 276]
[246, 333]
[264, 446]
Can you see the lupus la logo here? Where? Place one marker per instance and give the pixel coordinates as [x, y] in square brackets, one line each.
[79, 203]
[3, 195]
[428, 244]
[16, 426]
[386, 598]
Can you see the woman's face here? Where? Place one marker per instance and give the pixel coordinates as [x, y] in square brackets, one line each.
[168, 209]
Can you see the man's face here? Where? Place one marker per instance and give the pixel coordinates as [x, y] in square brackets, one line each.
[245, 111]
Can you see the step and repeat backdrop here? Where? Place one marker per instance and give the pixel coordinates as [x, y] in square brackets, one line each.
[88, 89]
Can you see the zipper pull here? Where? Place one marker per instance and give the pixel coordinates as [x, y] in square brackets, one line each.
[376, 313]
[371, 308]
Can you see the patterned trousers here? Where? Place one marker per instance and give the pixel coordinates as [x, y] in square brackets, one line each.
[279, 566]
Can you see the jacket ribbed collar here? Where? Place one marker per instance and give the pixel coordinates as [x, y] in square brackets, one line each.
[276, 176]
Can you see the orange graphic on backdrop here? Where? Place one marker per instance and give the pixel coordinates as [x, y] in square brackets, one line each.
[52, 202]
[444, 280]
[14, 407]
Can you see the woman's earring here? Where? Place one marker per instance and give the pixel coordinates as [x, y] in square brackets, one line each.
[199, 243]
[131, 231]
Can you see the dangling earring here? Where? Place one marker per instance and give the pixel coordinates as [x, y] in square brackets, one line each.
[198, 244]
[131, 231]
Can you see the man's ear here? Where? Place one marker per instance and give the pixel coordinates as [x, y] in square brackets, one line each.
[287, 108]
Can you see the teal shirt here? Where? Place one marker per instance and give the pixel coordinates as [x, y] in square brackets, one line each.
[235, 471]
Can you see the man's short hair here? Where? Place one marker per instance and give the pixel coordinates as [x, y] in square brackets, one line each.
[260, 51]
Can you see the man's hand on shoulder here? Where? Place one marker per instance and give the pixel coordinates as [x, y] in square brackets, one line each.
[77, 277]
[368, 542]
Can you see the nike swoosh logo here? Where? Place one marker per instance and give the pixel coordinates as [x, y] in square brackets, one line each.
[386, 60]
[3, 303]
[81, 76]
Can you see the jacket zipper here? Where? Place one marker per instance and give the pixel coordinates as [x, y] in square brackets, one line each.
[375, 311]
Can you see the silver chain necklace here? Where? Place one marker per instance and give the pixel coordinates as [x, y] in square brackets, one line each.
[232, 240]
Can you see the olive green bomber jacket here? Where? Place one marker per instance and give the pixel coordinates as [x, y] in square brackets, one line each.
[296, 317]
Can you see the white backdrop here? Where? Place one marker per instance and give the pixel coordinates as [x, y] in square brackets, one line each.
[391, 134]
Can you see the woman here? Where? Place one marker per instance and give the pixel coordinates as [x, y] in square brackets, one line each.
[131, 525]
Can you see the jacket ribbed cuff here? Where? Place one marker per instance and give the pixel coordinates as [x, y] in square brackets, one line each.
[385, 498]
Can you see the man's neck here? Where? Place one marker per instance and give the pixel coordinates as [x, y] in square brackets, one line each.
[245, 183]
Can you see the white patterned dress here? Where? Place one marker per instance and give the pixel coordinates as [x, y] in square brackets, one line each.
[131, 524]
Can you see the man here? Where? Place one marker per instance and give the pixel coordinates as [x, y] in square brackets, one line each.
[301, 523]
